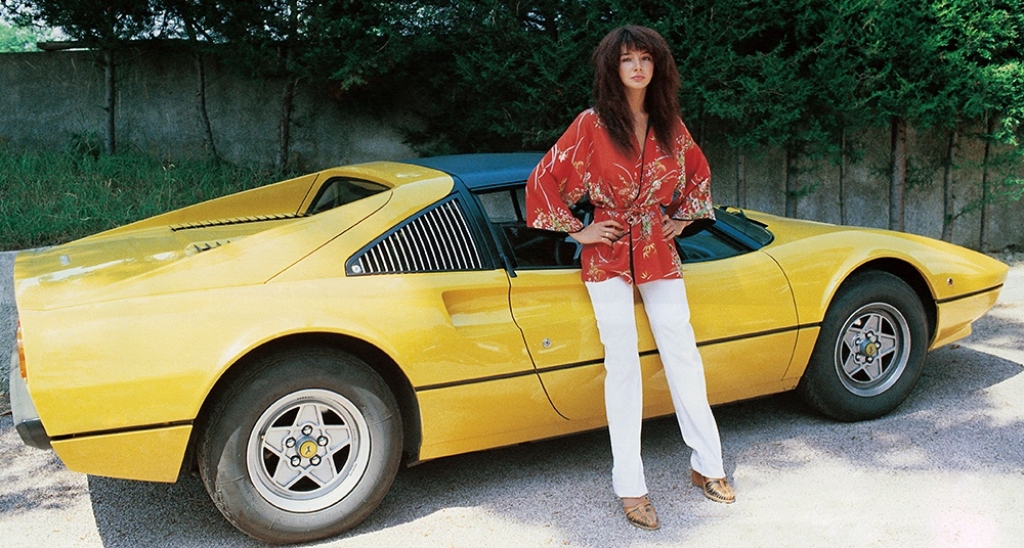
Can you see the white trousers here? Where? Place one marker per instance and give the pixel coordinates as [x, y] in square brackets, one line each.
[669, 315]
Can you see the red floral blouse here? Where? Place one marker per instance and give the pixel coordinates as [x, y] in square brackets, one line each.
[631, 190]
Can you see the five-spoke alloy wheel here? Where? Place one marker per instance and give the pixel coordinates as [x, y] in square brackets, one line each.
[873, 349]
[308, 450]
[870, 350]
[302, 446]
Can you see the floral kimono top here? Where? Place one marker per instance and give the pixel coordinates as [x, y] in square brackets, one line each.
[633, 190]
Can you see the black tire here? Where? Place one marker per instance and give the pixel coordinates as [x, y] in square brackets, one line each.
[303, 446]
[870, 351]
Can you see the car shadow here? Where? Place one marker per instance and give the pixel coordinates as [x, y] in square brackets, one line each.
[574, 472]
[134, 513]
[564, 484]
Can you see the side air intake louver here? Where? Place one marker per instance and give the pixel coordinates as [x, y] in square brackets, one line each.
[436, 241]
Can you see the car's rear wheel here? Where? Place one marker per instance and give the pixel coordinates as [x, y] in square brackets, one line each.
[870, 351]
[303, 446]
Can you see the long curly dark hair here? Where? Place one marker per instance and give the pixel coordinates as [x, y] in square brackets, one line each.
[660, 102]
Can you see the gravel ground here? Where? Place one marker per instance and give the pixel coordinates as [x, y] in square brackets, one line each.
[946, 469]
[8, 325]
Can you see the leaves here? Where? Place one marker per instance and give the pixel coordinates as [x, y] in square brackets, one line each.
[484, 75]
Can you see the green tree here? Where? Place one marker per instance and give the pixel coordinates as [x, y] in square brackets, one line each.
[492, 77]
[899, 50]
[296, 41]
[1002, 97]
[977, 61]
[13, 38]
[838, 94]
[186, 19]
[748, 65]
[99, 24]
[794, 104]
[718, 47]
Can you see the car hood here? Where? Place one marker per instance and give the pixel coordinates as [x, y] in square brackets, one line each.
[152, 260]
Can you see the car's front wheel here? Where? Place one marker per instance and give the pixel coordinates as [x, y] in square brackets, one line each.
[302, 446]
[870, 350]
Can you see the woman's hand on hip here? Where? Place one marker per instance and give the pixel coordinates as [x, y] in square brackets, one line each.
[602, 232]
[671, 228]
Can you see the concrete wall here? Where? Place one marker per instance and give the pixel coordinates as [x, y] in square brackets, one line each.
[866, 191]
[47, 99]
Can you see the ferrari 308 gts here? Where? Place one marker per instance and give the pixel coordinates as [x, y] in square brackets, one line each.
[298, 342]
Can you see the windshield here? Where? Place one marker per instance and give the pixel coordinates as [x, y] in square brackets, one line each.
[750, 228]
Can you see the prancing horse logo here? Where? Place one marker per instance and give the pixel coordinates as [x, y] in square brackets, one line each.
[307, 449]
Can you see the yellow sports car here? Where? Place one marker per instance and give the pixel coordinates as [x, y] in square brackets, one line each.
[299, 342]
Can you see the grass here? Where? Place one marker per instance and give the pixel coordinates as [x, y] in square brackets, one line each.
[52, 198]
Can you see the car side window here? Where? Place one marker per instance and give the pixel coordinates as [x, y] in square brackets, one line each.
[532, 248]
[340, 191]
[707, 245]
[729, 235]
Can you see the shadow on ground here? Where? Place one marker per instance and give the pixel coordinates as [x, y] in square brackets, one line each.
[559, 483]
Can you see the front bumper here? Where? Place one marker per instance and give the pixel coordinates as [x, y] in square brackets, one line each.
[26, 418]
[956, 315]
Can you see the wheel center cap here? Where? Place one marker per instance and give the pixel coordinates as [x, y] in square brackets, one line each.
[308, 449]
[870, 349]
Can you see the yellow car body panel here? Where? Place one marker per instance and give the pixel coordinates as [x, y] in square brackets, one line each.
[284, 198]
[140, 287]
[504, 411]
[149, 455]
[955, 317]
[963, 283]
[127, 333]
[735, 344]
[805, 341]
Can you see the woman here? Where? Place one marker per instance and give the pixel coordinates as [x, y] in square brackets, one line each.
[634, 160]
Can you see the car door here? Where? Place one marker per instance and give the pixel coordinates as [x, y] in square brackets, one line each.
[427, 291]
[742, 311]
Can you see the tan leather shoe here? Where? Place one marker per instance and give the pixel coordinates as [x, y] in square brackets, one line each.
[642, 514]
[717, 490]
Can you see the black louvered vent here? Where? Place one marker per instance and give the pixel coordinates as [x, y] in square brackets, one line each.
[235, 221]
[437, 241]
